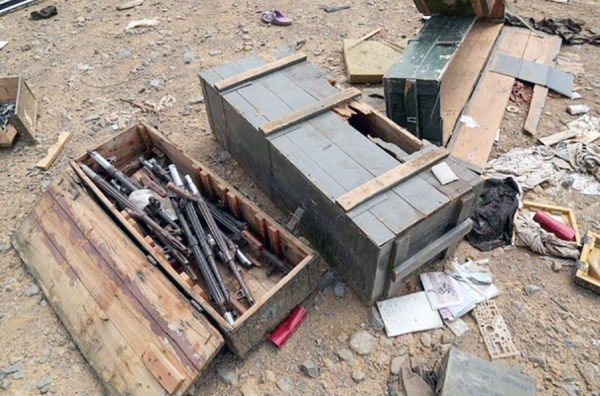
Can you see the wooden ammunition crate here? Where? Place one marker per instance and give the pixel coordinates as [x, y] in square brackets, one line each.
[15, 90]
[146, 328]
[373, 208]
[480, 8]
[428, 88]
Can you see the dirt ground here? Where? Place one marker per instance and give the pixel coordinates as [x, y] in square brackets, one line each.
[82, 62]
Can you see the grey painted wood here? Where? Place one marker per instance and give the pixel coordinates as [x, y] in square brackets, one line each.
[329, 186]
[373, 228]
[396, 213]
[421, 195]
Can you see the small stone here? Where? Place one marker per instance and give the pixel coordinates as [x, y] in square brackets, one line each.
[44, 381]
[45, 389]
[43, 359]
[270, 376]
[556, 266]
[375, 319]
[530, 290]
[572, 390]
[358, 376]
[19, 374]
[5, 384]
[13, 368]
[568, 379]
[214, 52]
[346, 355]
[339, 289]
[155, 82]
[362, 342]
[539, 360]
[447, 339]
[285, 384]
[396, 364]
[188, 58]
[328, 363]
[426, 340]
[227, 375]
[309, 369]
[198, 100]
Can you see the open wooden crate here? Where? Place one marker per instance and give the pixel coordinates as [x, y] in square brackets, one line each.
[588, 266]
[128, 317]
[14, 89]
[559, 213]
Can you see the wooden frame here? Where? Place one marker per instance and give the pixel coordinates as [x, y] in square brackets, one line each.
[566, 215]
[586, 275]
[15, 89]
[249, 329]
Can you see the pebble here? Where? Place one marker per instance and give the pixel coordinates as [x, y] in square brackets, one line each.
[572, 390]
[447, 339]
[362, 342]
[339, 289]
[188, 58]
[285, 384]
[44, 381]
[19, 374]
[556, 266]
[270, 376]
[214, 53]
[346, 355]
[375, 319]
[227, 375]
[5, 384]
[328, 363]
[32, 290]
[539, 360]
[358, 376]
[13, 368]
[426, 340]
[396, 364]
[309, 369]
[530, 290]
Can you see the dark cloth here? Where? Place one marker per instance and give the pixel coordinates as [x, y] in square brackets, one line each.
[44, 13]
[494, 214]
[567, 28]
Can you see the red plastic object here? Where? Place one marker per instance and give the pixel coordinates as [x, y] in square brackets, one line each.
[554, 226]
[288, 326]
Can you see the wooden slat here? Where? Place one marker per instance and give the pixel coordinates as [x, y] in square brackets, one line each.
[557, 138]
[8, 138]
[462, 74]
[487, 104]
[309, 111]
[387, 180]
[53, 152]
[549, 46]
[166, 373]
[259, 71]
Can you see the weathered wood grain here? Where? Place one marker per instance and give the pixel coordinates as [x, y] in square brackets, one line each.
[53, 152]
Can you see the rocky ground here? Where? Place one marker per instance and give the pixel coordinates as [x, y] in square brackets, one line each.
[83, 61]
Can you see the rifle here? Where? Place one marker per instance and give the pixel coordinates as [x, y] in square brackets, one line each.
[121, 177]
[214, 229]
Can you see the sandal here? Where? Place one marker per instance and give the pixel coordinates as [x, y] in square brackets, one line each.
[275, 17]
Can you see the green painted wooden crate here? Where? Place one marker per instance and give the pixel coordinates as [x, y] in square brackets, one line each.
[480, 8]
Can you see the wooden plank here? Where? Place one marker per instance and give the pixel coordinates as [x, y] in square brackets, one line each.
[53, 152]
[421, 195]
[259, 71]
[309, 111]
[464, 70]
[9, 88]
[549, 46]
[390, 178]
[8, 138]
[487, 104]
[167, 374]
[388, 212]
[557, 138]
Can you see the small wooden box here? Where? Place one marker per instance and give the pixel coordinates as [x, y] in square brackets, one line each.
[480, 8]
[117, 294]
[14, 89]
[374, 216]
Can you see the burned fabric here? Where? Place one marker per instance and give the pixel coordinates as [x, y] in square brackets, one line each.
[531, 234]
[6, 110]
[567, 28]
[494, 214]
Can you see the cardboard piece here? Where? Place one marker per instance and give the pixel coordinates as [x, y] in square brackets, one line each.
[408, 314]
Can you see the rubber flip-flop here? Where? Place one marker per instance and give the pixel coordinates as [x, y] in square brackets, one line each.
[275, 17]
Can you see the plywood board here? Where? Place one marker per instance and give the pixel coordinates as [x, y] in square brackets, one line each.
[119, 308]
[368, 61]
[473, 144]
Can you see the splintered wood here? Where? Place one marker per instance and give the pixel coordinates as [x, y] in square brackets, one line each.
[495, 333]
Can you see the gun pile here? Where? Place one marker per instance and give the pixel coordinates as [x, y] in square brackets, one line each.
[195, 235]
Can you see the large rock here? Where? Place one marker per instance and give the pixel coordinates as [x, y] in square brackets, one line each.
[362, 342]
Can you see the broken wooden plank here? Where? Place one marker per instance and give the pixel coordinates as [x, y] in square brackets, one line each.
[557, 138]
[473, 142]
[464, 71]
[389, 179]
[8, 138]
[259, 71]
[53, 152]
[547, 48]
[309, 111]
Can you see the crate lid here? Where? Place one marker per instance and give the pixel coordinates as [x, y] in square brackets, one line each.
[131, 323]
